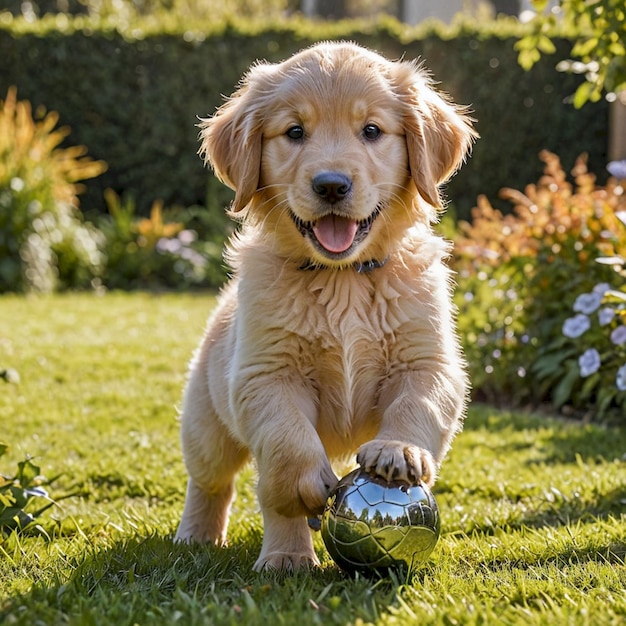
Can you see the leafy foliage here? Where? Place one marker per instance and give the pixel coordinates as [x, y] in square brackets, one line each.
[599, 28]
[20, 494]
[125, 10]
[43, 241]
[520, 275]
[592, 346]
[155, 253]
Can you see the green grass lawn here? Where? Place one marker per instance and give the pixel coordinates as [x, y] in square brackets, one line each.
[533, 510]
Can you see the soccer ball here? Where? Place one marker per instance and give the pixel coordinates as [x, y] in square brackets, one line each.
[371, 524]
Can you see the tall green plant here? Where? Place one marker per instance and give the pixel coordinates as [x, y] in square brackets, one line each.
[44, 243]
[174, 249]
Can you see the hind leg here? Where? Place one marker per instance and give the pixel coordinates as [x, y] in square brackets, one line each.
[213, 459]
[205, 517]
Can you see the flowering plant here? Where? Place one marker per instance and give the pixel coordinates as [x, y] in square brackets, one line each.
[534, 303]
[599, 330]
[154, 252]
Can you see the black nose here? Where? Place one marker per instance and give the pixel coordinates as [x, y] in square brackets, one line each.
[332, 186]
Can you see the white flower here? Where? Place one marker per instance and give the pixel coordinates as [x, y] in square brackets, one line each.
[589, 362]
[617, 169]
[38, 492]
[618, 335]
[588, 302]
[166, 245]
[16, 184]
[187, 237]
[620, 380]
[575, 326]
[606, 315]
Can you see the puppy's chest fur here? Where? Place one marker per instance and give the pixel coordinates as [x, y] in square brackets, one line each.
[342, 328]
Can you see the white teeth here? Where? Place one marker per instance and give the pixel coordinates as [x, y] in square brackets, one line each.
[364, 226]
[307, 227]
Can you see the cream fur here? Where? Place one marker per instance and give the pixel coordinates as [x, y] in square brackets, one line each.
[304, 368]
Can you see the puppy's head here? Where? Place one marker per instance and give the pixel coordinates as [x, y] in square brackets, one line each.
[337, 151]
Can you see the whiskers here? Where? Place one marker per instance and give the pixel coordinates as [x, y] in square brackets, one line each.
[395, 196]
[268, 213]
[272, 203]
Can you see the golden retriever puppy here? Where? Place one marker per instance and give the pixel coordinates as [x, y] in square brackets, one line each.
[335, 335]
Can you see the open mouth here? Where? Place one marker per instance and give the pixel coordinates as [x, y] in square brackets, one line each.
[336, 236]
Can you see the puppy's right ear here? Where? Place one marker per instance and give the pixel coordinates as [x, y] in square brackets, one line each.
[231, 143]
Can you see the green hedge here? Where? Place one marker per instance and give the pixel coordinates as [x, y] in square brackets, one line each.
[133, 97]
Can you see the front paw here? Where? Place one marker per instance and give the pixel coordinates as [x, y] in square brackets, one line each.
[397, 460]
[287, 544]
[314, 487]
[295, 488]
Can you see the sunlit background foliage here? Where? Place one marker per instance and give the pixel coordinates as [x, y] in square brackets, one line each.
[524, 274]
[525, 258]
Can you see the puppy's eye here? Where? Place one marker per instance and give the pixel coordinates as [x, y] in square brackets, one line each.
[295, 132]
[372, 132]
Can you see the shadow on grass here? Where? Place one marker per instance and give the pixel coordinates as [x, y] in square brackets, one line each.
[574, 457]
[155, 581]
[555, 509]
[482, 416]
[564, 551]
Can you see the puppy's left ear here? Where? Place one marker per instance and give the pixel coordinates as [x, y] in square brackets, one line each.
[231, 142]
[439, 134]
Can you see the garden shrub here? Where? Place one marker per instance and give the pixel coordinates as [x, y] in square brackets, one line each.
[522, 277]
[44, 243]
[175, 249]
[133, 93]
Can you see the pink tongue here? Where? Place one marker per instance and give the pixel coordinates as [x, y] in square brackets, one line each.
[335, 233]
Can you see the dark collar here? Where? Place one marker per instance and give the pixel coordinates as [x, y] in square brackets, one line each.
[361, 267]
